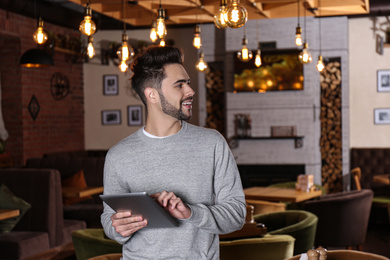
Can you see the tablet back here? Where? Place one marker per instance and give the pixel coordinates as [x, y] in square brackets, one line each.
[141, 204]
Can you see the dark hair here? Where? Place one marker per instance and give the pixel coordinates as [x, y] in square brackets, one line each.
[148, 67]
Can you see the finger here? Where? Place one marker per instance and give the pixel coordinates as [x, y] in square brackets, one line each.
[121, 214]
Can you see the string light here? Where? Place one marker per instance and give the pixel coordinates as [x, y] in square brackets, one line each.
[40, 36]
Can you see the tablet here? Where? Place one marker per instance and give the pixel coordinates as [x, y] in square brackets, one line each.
[140, 203]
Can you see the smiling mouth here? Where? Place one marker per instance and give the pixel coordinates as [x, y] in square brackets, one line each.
[187, 103]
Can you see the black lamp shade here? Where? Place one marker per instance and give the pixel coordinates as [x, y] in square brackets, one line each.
[36, 58]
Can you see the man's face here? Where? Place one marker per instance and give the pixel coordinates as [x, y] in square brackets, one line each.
[176, 95]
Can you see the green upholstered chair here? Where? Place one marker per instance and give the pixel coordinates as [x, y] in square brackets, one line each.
[92, 242]
[299, 224]
[268, 247]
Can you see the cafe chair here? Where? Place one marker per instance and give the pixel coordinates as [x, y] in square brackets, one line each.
[342, 218]
[299, 224]
[262, 206]
[268, 247]
[347, 255]
[92, 242]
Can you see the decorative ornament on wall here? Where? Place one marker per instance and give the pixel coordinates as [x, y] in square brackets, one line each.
[33, 107]
[59, 85]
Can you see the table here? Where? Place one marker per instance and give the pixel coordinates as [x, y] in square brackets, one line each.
[8, 213]
[279, 194]
[76, 192]
[382, 178]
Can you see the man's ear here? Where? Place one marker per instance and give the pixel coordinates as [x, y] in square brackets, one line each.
[150, 94]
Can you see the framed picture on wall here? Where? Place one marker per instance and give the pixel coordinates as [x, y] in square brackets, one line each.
[111, 117]
[134, 114]
[383, 80]
[110, 85]
[382, 115]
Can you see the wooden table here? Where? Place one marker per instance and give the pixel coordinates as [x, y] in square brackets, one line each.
[8, 213]
[76, 192]
[382, 178]
[279, 194]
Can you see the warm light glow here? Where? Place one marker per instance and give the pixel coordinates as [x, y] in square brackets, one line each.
[245, 54]
[40, 36]
[153, 32]
[161, 29]
[123, 66]
[197, 42]
[125, 52]
[201, 65]
[237, 15]
[90, 48]
[220, 19]
[87, 26]
[162, 42]
[305, 55]
[320, 64]
[258, 58]
[298, 36]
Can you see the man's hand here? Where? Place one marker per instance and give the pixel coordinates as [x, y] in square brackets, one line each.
[173, 204]
[125, 224]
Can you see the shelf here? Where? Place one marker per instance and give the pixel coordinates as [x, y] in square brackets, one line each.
[298, 140]
[66, 51]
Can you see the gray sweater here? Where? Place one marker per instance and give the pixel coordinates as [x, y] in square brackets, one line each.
[197, 165]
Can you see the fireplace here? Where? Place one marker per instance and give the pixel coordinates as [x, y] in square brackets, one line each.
[267, 174]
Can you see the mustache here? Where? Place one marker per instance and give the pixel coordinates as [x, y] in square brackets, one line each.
[186, 100]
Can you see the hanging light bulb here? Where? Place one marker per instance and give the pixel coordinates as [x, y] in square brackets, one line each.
[162, 42]
[123, 66]
[125, 52]
[153, 32]
[305, 55]
[87, 26]
[258, 58]
[320, 64]
[220, 19]
[298, 36]
[40, 36]
[245, 54]
[161, 29]
[197, 40]
[90, 48]
[201, 65]
[237, 15]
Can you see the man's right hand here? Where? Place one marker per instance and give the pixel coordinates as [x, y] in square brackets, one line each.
[125, 224]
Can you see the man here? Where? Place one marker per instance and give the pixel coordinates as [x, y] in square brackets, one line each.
[188, 169]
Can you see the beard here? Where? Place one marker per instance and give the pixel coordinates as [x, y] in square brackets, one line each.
[171, 110]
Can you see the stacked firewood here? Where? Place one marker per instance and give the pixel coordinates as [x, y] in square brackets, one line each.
[331, 125]
[215, 105]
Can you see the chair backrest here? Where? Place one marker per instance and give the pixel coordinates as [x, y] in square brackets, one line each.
[262, 206]
[348, 255]
[342, 218]
[299, 224]
[357, 175]
[92, 242]
[268, 247]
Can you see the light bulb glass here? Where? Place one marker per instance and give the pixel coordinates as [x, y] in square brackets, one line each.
[245, 54]
[87, 26]
[40, 36]
[153, 34]
[201, 65]
[237, 15]
[298, 36]
[125, 52]
[220, 19]
[258, 58]
[90, 48]
[197, 41]
[320, 64]
[162, 42]
[305, 56]
[123, 66]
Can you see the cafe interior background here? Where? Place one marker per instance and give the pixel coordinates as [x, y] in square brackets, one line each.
[82, 103]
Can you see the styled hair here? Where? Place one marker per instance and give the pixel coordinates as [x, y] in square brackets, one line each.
[148, 67]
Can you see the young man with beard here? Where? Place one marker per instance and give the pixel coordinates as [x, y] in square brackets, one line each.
[189, 170]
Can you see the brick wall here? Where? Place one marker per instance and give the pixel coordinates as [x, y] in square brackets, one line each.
[59, 125]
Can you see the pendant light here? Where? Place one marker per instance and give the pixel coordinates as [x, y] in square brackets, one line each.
[161, 29]
[90, 48]
[153, 31]
[237, 15]
[123, 66]
[305, 56]
[258, 52]
[40, 36]
[298, 31]
[245, 54]
[197, 42]
[220, 19]
[125, 52]
[87, 26]
[162, 42]
[36, 58]
[201, 65]
[320, 64]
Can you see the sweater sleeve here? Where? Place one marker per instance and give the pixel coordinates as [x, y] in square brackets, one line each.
[229, 211]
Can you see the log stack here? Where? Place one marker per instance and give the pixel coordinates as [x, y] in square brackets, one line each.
[331, 126]
[215, 105]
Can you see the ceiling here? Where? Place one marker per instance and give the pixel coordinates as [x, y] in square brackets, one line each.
[142, 12]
